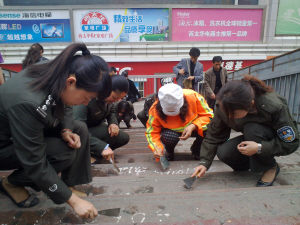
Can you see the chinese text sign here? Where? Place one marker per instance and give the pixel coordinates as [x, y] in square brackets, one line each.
[121, 25]
[216, 24]
[34, 26]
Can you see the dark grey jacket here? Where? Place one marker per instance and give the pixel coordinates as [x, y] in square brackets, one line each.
[185, 64]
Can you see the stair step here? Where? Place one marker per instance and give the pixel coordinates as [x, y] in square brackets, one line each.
[167, 208]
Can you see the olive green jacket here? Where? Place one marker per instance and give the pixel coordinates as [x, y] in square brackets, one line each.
[24, 116]
[272, 111]
[95, 113]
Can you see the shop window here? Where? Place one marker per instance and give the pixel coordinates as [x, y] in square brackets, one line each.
[248, 2]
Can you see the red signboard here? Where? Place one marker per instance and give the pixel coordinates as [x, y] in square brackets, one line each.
[150, 68]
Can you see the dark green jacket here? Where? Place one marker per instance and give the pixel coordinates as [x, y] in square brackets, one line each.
[272, 111]
[23, 120]
[95, 113]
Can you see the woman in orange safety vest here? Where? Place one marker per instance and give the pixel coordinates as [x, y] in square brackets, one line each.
[177, 115]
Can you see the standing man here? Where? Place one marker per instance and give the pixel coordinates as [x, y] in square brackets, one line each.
[215, 78]
[132, 92]
[189, 69]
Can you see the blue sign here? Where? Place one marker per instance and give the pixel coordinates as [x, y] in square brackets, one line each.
[34, 28]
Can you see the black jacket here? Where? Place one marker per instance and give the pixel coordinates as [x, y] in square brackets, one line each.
[132, 92]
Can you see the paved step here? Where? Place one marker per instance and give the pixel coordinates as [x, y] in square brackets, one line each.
[148, 195]
[221, 205]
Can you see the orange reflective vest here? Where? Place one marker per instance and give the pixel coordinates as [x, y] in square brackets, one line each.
[198, 114]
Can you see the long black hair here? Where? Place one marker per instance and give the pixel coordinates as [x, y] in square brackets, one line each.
[119, 84]
[91, 72]
[124, 105]
[182, 113]
[33, 55]
[239, 94]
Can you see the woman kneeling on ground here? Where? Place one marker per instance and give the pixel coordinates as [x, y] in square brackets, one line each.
[125, 112]
[263, 116]
[38, 135]
[105, 137]
[177, 115]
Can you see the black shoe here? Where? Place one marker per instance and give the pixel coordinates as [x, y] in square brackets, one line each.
[196, 157]
[134, 117]
[169, 156]
[260, 183]
[195, 153]
[31, 201]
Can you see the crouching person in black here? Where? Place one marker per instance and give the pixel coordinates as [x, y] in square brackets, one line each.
[38, 137]
[143, 115]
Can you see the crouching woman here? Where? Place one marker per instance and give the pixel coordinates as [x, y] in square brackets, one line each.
[38, 137]
[263, 116]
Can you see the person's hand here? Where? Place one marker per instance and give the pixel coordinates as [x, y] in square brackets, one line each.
[120, 114]
[182, 71]
[213, 96]
[72, 139]
[187, 132]
[248, 148]
[191, 78]
[113, 130]
[140, 99]
[108, 153]
[157, 153]
[82, 208]
[201, 170]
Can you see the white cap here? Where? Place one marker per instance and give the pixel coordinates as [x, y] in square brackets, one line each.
[171, 99]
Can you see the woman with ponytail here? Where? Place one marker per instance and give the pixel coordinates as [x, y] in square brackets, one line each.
[38, 136]
[34, 55]
[253, 108]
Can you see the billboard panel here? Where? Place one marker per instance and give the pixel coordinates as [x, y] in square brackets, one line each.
[216, 24]
[288, 18]
[34, 26]
[121, 25]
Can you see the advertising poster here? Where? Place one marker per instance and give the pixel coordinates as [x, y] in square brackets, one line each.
[121, 25]
[288, 18]
[216, 24]
[35, 26]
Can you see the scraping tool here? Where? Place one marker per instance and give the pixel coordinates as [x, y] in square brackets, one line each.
[110, 212]
[190, 181]
[163, 161]
[117, 168]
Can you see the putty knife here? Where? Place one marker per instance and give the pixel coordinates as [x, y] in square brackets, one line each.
[117, 168]
[163, 161]
[190, 181]
[110, 212]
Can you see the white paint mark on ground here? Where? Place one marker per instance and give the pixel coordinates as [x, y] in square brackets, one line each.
[138, 218]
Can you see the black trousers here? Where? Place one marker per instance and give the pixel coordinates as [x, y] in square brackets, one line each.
[131, 99]
[211, 102]
[101, 132]
[230, 155]
[142, 117]
[170, 139]
[73, 164]
[126, 119]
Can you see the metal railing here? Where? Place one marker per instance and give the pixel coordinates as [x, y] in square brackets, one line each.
[8, 73]
[283, 74]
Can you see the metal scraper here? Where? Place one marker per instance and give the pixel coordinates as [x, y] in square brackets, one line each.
[110, 212]
[117, 168]
[190, 181]
[163, 161]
